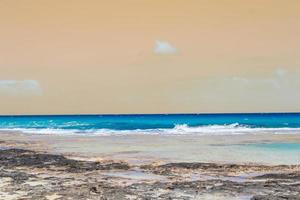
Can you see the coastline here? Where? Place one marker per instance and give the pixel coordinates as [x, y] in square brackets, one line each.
[61, 167]
[238, 149]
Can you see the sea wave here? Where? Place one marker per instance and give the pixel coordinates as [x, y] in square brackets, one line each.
[181, 129]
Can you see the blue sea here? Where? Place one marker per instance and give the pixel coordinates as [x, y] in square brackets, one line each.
[165, 124]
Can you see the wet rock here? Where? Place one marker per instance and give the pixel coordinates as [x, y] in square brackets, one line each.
[273, 197]
[294, 176]
[219, 167]
[33, 175]
[16, 176]
[26, 158]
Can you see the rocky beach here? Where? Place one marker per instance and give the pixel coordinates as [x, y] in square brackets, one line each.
[26, 173]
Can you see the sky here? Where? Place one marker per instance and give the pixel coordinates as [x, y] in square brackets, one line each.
[149, 56]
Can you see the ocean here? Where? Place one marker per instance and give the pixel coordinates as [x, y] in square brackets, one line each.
[165, 124]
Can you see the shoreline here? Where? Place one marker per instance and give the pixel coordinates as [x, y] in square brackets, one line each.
[27, 174]
[32, 168]
[238, 149]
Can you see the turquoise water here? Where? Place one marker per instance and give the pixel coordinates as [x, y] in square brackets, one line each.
[277, 146]
[155, 124]
[264, 138]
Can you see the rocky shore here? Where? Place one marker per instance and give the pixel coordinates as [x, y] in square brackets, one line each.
[28, 174]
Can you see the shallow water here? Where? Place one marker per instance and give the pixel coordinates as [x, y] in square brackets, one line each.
[136, 175]
[278, 146]
[143, 149]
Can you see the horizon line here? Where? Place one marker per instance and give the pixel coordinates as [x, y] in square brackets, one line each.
[139, 114]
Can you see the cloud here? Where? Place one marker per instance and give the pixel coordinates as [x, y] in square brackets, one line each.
[20, 87]
[281, 72]
[276, 80]
[164, 48]
[276, 91]
[257, 82]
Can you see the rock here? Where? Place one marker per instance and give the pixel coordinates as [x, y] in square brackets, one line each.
[18, 177]
[294, 176]
[26, 158]
[31, 175]
[272, 197]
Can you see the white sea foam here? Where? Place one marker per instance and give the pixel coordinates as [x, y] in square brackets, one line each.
[182, 129]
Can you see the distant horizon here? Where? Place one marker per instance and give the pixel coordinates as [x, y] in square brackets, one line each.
[138, 114]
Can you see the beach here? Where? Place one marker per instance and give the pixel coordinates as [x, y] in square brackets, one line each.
[149, 100]
[43, 166]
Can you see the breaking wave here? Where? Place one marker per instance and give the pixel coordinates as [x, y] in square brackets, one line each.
[181, 129]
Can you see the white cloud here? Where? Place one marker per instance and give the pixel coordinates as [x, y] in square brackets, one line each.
[164, 48]
[278, 78]
[275, 91]
[20, 87]
[280, 72]
[257, 82]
